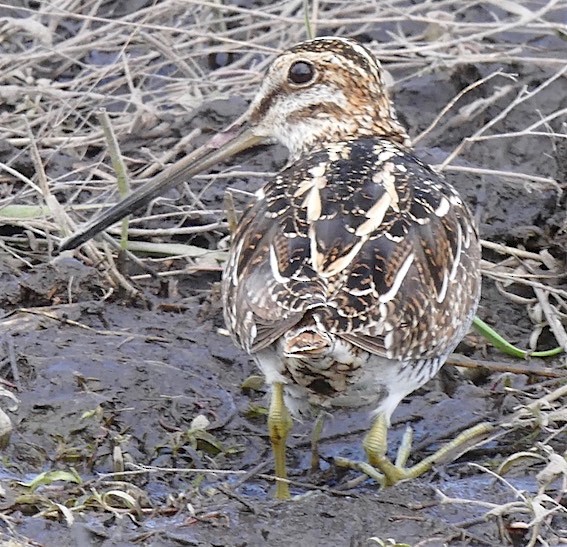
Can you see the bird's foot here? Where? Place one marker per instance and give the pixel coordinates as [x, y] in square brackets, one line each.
[386, 473]
[379, 467]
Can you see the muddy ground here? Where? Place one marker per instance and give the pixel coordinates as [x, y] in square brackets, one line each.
[152, 386]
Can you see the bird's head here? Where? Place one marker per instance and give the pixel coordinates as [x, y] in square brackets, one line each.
[322, 91]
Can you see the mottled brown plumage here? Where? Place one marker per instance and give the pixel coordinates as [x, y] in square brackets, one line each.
[356, 271]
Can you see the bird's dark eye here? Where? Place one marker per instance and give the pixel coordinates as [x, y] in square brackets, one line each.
[301, 72]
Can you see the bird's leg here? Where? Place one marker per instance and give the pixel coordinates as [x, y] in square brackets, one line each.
[279, 425]
[375, 444]
[315, 438]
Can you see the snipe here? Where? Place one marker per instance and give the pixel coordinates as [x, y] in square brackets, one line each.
[356, 270]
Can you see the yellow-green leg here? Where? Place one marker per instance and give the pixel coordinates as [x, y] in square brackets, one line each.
[279, 425]
[376, 445]
[387, 473]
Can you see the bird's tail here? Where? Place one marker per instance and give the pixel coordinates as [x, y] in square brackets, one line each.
[307, 341]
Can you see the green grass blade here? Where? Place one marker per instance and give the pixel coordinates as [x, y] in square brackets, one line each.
[504, 346]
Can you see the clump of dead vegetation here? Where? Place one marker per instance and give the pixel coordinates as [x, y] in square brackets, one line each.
[82, 83]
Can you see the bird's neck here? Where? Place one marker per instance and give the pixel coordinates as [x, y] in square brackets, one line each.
[304, 138]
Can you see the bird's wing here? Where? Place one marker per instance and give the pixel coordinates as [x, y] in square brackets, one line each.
[364, 236]
[268, 284]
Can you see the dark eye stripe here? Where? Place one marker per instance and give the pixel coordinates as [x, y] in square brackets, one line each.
[265, 104]
[268, 100]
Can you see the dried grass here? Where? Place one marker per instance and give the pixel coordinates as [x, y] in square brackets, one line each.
[64, 62]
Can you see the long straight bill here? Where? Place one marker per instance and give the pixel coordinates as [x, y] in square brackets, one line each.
[180, 172]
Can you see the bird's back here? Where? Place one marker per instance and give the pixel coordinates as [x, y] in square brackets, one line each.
[363, 242]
